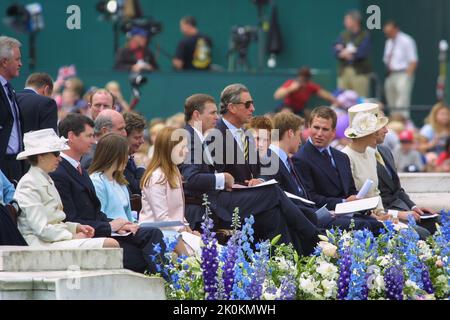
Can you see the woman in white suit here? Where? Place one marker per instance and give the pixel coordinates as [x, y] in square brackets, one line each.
[41, 220]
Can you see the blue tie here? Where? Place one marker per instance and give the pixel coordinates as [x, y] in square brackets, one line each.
[296, 177]
[15, 111]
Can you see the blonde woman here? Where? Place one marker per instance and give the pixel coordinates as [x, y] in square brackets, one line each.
[162, 190]
[437, 128]
[41, 221]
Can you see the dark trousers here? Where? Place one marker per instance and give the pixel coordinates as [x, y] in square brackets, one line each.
[138, 249]
[13, 169]
[9, 234]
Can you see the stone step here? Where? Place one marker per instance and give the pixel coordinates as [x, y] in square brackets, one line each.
[17, 259]
[435, 201]
[425, 182]
[80, 285]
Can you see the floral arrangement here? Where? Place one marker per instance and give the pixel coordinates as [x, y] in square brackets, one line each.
[346, 265]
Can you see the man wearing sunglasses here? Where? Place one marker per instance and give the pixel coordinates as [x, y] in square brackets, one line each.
[238, 155]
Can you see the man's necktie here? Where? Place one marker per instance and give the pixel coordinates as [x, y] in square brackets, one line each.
[80, 171]
[14, 108]
[296, 177]
[244, 142]
[327, 156]
[380, 158]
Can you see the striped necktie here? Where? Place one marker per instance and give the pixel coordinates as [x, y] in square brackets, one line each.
[244, 142]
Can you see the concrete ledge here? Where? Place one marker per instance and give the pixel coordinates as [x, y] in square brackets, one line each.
[425, 182]
[18, 259]
[81, 285]
[436, 201]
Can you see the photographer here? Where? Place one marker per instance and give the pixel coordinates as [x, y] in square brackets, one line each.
[136, 56]
[194, 51]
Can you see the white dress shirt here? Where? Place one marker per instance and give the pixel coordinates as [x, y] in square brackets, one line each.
[400, 52]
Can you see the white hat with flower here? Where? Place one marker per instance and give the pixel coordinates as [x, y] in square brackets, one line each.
[42, 141]
[364, 119]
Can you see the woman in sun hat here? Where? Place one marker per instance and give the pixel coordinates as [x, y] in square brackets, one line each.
[365, 120]
[41, 220]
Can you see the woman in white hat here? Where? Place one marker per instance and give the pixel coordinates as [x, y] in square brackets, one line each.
[365, 120]
[41, 220]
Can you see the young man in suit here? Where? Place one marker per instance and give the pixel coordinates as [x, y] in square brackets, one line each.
[11, 122]
[325, 171]
[272, 215]
[82, 205]
[392, 194]
[39, 110]
[285, 143]
[134, 126]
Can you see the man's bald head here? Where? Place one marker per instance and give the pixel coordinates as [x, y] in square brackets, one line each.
[109, 121]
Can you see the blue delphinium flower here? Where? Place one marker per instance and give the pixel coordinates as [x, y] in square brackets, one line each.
[357, 289]
[345, 262]
[229, 261]
[242, 268]
[408, 249]
[261, 259]
[442, 241]
[288, 288]
[427, 285]
[210, 261]
[394, 282]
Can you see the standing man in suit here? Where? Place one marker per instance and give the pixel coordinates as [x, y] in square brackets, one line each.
[82, 205]
[39, 110]
[285, 143]
[239, 155]
[392, 194]
[11, 127]
[272, 212]
[134, 125]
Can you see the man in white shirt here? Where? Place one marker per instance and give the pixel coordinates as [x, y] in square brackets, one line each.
[400, 58]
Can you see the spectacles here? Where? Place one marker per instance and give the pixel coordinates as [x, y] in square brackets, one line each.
[56, 154]
[247, 104]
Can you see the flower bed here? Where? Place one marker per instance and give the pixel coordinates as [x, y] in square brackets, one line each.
[352, 265]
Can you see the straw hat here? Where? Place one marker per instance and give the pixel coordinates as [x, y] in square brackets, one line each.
[42, 141]
[365, 119]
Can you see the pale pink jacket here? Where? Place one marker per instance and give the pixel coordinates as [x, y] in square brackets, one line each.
[160, 202]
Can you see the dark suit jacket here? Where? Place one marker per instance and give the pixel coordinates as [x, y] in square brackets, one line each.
[38, 112]
[287, 183]
[79, 198]
[391, 192]
[133, 174]
[325, 184]
[6, 122]
[235, 165]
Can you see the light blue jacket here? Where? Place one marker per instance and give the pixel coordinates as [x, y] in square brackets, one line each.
[110, 201]
[6, 189]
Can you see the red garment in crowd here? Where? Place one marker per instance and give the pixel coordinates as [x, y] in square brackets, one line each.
[442, 157]
[298, 99]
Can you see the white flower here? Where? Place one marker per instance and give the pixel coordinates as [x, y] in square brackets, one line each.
[425, 250]
[323, 238]
[328, 249]
[285, 265]
[309, 285]
[384, 260]
[327, 270]
[329, 288]
[364, 122]
[411, 284]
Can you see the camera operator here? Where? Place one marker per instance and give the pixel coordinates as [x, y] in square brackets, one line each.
[136, 56]
[194, 51]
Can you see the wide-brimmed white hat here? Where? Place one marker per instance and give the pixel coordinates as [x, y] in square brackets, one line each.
[42, 141]
[364, 119]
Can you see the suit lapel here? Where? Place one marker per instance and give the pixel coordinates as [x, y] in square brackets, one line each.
[384, 176]
[84, 179]
[5, 100]
[326, 166]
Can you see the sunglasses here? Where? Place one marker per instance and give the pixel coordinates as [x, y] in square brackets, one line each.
[247, 104]
[56, 154]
